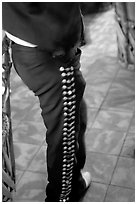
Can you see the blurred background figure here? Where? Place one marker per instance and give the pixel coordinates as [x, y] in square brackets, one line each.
[125, 16]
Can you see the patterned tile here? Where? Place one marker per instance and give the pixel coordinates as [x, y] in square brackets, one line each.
[101, 166]
[101, 71]
[38, 164]
[118, 99]
[93, 99]
[98, 78]
[35, 109]
[124, 174]
[24, 153]
[118, 194]
[18, 112]
[101, 34]
[19, 175]
[19, 109]
[122, 93]
[132, 125]
[22, 99]
[104, 141]
[15, 79]
[28, 132]
[91, 114]
[113, 120]
[128, 149]
[31, 188]
[35, 119]
[95, 193]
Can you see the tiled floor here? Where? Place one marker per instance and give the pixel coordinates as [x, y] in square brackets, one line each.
[110, 134]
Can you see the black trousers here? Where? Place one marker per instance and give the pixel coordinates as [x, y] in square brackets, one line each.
[59, 85]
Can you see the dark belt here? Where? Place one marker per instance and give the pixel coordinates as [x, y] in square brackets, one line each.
[62, 53]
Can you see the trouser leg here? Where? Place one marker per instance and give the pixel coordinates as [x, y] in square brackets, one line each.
[60, 91]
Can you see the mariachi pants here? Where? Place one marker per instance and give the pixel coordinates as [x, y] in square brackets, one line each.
[59, 85]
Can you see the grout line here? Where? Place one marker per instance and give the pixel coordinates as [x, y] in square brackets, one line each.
[98, 182]
[40, 146]
[111, 179]
[111, 84]
[119, 156]
[28, 163]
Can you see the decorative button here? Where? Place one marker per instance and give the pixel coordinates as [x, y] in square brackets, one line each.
[67, 69]
[65, 108]
[65, 103]
[68, 74]
[64, 81]
[61, 69]
[68, 81]
[64, 98]
[70, 103]
[64, 93]
[67, 182]
[64, 169]
[65, 114]
[64, 87]
[65, 124]
[64, 143]
[63, 74]
[72, 79]
[72, 68]
[69, 92]
[65, 147]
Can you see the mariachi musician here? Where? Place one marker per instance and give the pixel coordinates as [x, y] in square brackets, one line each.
[45, 40]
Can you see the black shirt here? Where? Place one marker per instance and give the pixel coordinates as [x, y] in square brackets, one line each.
[51, 26]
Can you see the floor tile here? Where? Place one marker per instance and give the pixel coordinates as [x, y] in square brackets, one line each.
[91, 114]
[93, 99]
[37, 110]
[101, 71]
[95, 193]
[22, 99]
[122, 92]
[118, 99]
[38, 164]
[19, 174]
[101, 166]
[132, 125]
[28, 132]
[118, 194]
[24, 153]
[94, 94]
[124, 174]
[31, 188]
[35, 119]
[19, 110]
[113, 120]
[128, 149]
[104, 141]
[106, 35]
[15, 80]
